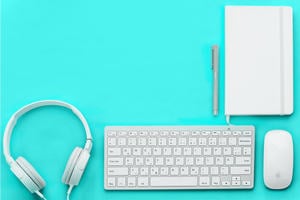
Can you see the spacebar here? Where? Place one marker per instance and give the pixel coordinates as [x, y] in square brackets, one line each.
[173, 181]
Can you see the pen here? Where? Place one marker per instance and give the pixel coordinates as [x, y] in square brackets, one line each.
[215, 68]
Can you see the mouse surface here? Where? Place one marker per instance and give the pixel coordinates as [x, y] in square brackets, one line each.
[278, 159]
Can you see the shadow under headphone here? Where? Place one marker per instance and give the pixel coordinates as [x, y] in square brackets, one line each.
[25, 171]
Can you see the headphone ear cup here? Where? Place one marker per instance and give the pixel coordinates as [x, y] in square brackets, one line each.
[28, 175]
[75, 166]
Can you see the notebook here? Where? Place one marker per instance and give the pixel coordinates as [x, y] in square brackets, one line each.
[258, 60]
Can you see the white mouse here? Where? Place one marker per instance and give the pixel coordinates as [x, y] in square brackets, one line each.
[278, 159]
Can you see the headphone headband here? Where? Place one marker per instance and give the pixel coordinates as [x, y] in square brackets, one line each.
[14, 118]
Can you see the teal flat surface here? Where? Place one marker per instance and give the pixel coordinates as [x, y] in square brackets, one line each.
[121, 63]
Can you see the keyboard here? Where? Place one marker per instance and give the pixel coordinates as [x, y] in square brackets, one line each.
[179, 157]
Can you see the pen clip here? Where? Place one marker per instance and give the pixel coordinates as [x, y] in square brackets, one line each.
[214, 55]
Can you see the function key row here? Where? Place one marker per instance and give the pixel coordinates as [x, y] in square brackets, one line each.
[174, 133]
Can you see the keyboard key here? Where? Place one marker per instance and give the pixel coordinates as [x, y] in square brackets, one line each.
[131, 141]
[184, 170]
[142, 141]
[192, 141]
[243, 141]
[247, 151]
[159, 161]
[240, 170]
[143, 181]
[232, 141]
[174, 170]
[212, 141]
[137, 151]
[115, 161]
[179, 161]
[219, 160]
[121, 182]
[139, 161]
[222, 141]
[122, 141]
[204, 181]
[224, 170]
[215, 180]
[128, 161]
[202, 141]
[167, 151]
[131, 181]
[111, 141]
[126, 151]
[147, 151]
[243, 160]
[173, 181]
[207, 151]
[227, 151]
[144, 171]
[237, 151]
[237, 132]
[169, 161]
[112, 133]
[235, 183]
[197, 151]
[205, 133]
[162, 141]
[149, 161]
[247, 133]
[229, 160]
[236, 178]
[209, 160]
[164, 171]
[157, 151]
[204, 170]
[122, 133]
[132, 133]
[189, 161]
[194, 170]
[114, 151]
[214, 170]
[187, 151]
[143, 133]
[111, 181]
[134, 171]
[226, 132]
[172, 141]
[182, 141]
[152, 142]
[154, 170]
[225, 183]
[117, 171]
[246, 183]
[216, 132]
[217, 151]
[199, 161]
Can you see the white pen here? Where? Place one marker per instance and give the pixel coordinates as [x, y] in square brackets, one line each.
[215, 68]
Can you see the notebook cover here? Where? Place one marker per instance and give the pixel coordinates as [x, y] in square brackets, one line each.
[258, 60]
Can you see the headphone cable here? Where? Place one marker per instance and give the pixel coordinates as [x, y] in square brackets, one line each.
[40, 195]
[69, 192]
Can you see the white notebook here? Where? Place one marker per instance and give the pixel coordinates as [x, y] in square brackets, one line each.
[258, 60]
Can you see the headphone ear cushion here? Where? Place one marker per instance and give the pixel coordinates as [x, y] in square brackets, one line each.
[75, 166]
[70, 165]
[33, 178]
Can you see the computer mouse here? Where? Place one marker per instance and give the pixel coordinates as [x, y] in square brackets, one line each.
[278, 159]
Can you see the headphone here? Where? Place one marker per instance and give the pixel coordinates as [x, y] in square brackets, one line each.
[25, 171]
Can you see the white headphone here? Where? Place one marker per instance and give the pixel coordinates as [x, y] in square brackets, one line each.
[24, 170]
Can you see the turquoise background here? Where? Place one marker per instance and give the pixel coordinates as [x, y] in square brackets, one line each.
[121, 63]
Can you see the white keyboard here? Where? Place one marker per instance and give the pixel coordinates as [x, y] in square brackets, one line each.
[179, 157]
